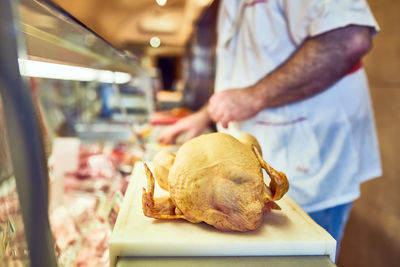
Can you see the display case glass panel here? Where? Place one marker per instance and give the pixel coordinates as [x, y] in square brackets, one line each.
[72, 110]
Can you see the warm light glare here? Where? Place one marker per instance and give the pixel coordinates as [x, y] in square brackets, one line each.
[40, 69]
[155, 42]
[161, 2]
[204, 3]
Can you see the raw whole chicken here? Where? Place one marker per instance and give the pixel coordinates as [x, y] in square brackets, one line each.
[217, 179]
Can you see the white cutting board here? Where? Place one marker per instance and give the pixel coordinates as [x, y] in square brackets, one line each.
[287, 232]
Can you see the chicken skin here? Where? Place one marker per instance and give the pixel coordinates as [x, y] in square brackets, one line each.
[217, 179]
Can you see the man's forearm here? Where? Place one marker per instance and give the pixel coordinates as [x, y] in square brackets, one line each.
[317, 64]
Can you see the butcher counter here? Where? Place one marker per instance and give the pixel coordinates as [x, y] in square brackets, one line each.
[286, 238]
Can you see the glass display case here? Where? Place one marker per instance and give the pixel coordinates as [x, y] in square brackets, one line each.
[73, 110]
[94, 83]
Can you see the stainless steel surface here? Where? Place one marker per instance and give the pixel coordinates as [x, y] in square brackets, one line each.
[5, 158]
[298, 261]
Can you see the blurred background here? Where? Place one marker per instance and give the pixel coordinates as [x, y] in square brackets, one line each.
[371, 238]
[174, 40]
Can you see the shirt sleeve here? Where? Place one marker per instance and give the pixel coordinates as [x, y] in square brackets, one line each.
[313, 17]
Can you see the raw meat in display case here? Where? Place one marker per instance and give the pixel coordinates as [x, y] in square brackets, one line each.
[93, 179]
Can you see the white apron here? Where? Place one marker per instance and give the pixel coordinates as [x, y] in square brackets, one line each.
[326, 144]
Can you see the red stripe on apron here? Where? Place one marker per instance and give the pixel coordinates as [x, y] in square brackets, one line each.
[355, 68]
[255, 2]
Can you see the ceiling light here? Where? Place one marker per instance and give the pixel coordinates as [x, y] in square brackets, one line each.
[155, 42]
[161, 2]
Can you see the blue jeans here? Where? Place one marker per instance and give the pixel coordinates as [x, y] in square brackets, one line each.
[333, 220]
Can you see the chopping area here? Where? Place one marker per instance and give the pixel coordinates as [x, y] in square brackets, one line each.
[289, 232]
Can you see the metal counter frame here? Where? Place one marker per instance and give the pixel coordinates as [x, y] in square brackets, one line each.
[25, 140]
[298, 261]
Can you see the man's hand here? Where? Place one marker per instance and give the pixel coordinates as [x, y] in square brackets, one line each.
[321, 61]
[193, 125]
[233, 105]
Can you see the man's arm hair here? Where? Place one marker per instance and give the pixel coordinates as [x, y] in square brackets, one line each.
[320, 61]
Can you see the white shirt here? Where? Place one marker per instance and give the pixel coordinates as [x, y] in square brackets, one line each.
[326, 144]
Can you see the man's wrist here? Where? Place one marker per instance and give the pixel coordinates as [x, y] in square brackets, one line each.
[205, 117]
[260, 96]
